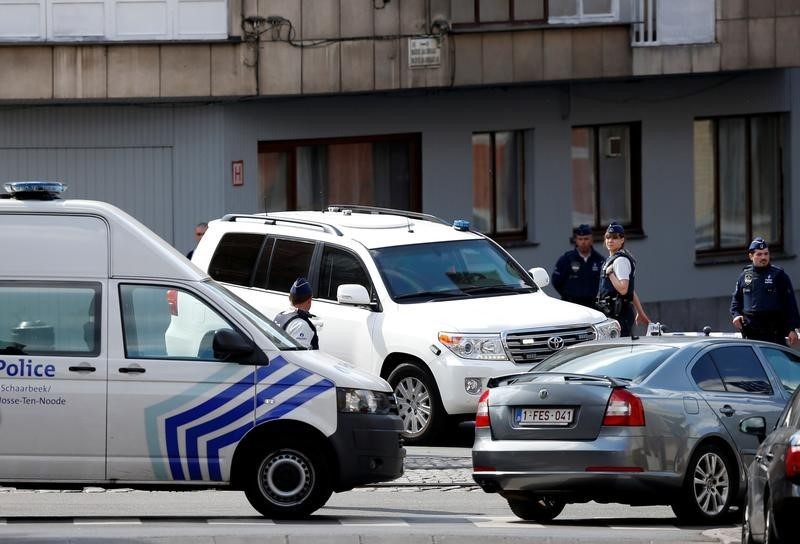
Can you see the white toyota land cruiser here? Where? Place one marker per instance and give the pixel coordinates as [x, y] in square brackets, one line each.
[435, 309]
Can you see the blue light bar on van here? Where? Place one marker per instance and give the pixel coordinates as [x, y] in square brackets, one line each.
[35, 189]
[461, 224]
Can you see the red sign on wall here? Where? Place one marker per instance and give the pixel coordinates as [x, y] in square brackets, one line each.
[237, 173]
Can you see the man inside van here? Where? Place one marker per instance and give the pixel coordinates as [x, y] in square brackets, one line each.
[297, 320]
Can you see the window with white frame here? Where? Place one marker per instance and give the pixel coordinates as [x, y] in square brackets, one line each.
[113, 20]
[583, 10]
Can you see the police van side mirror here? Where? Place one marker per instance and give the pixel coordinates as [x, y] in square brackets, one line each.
[540, 277]
[231, 345]
[354, 294]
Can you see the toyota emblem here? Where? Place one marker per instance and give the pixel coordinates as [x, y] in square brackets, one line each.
[555, 343]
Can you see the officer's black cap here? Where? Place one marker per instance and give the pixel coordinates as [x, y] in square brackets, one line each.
[615, 228]
[582, 230]
[757, 243]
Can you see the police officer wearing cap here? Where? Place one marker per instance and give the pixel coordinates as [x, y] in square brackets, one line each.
[763, 305]
[577, 272]
[297, 320]
[616, 296]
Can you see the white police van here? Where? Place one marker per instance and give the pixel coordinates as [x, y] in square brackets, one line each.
[434, 308]
[123, 365]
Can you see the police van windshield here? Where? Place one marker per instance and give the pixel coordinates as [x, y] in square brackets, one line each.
[448, 270]
[275, 333]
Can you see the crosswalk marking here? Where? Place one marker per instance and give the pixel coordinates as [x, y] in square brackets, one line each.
[373, 522]
[105, 521]
[222, 521]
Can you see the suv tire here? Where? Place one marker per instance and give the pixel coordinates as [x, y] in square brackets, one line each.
[418, 402]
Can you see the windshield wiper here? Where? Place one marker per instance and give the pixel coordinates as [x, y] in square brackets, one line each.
[496, 289]
[431, 294]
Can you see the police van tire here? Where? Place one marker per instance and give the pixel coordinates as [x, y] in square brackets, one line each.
[418, 402]
[288, 480]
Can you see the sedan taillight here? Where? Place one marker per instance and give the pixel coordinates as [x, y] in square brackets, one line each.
[624, 409]
[793, 458]
[482, 415]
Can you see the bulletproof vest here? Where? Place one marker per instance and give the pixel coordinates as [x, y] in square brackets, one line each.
[283, 320]
[606, 290]
[760, 289]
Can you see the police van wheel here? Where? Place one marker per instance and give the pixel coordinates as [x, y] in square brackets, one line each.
[418, 401]
[288, 481]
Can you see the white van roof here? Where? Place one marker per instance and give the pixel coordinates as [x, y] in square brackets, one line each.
[41, 240]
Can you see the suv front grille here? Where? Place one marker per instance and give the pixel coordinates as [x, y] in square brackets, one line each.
[527, 347]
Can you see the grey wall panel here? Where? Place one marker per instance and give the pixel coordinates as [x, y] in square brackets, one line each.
[200, 172]
[136, 179]
[86, 126]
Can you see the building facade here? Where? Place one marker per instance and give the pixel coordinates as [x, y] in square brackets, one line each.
[678, 118]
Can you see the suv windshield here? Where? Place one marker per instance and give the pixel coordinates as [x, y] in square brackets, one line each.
[628, 362]
[446, 270]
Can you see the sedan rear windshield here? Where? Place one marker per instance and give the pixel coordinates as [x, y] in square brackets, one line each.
[627, 362]
[447, 270]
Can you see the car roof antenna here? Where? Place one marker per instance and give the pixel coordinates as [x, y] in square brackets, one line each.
[408, 222]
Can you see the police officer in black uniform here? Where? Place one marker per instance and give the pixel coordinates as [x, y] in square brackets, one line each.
[616, 296]
[763, 305]
[297, 320]
[577, 272]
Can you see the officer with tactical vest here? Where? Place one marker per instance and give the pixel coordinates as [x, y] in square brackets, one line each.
[616, 296]
[577, 272]
[763, 304]
[297, 320]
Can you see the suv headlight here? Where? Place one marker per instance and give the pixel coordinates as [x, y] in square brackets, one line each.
[607, 329]
[364, 401]
[483, 347]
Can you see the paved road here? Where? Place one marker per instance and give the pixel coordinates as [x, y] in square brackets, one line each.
[434, 501]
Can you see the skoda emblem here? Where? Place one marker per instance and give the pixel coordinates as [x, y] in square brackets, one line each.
[543, 394]
[555, 343]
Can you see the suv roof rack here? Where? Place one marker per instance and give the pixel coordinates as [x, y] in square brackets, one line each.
[271, 220]
[385, 211]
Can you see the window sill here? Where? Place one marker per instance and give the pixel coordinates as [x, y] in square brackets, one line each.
[712, 260]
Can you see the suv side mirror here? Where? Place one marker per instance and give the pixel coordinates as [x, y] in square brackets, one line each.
[756, 425]
[232, 345]
[540, 276]
[352, 293]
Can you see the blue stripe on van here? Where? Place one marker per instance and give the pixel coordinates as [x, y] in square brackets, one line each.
[152, 413]
[172, 423]
[214, 446]
[194, 434]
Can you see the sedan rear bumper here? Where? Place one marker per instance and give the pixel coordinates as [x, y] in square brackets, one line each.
[617, 468]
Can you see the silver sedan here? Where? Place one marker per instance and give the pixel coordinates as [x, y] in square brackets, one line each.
[644, 421]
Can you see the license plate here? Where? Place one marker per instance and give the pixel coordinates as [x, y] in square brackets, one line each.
[543, 416]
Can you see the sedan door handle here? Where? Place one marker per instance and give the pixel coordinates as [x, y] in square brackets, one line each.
[132, 370]
[727, 410]
[82, 368]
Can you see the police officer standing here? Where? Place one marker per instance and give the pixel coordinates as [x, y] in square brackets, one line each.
[616, 296]
[297, 320]
[763, 305]
[577, 272]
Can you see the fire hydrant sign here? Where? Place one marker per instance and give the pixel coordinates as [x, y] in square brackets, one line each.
[424, 52]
